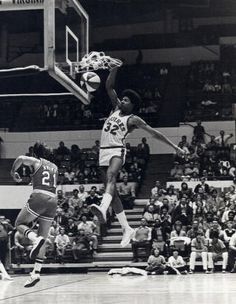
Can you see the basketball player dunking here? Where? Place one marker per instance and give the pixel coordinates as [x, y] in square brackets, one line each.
[41, 206]
[118, 125]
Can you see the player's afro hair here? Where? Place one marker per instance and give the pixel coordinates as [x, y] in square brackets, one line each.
[41, 150]
[134, 98]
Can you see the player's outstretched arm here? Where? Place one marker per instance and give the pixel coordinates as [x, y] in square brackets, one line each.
[141, 124]
[110, 84]
[23, 160]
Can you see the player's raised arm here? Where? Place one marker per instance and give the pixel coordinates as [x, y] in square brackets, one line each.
[110, 84]
[137, 122]
[23, 160]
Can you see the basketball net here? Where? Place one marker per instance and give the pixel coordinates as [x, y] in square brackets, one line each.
[95, 61]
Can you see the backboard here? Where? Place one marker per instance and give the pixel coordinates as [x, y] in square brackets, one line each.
[50, 34]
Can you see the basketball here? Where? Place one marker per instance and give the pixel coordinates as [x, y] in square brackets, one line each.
[90, 81]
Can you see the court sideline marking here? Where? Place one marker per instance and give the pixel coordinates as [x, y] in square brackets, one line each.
[43, 289]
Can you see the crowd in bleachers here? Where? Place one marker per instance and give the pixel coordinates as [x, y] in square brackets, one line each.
[210, 91]
[194, 223]
[206, 156]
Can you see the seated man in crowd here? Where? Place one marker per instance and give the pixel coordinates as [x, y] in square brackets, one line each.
[81, 245]
[62, 242]
[142, 239]
[177, 263]
[150, 215]
[127, 193]
[217, 250]
[90, 229]
[156, 263]
[92, 198]
[71, 229]
[228, 233]
[198, 250]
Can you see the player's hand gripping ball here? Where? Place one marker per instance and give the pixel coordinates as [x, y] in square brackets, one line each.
[90, 81]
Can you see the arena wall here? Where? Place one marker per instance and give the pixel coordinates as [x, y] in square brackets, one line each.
[16, 144]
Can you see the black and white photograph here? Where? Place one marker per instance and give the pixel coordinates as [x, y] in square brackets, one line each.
[117, 151]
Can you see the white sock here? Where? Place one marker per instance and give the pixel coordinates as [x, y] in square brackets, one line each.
[106, 201]
[123, 220]
[31, 235]
[38, 265]
[3, 270]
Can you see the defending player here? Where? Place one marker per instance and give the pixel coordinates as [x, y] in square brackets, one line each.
[118, 125]
[41, 206]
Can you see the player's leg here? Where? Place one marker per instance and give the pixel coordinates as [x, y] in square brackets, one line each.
[128, 232]
[110, 183]
[23, 221]
[44, 226]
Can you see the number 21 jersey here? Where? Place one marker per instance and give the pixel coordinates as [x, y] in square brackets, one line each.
[45, 177]
[115, 130]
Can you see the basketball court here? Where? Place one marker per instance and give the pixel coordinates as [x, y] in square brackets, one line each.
[101, 288]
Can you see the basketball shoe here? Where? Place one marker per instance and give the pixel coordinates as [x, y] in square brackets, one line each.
[99, 212]
[33, 280]
[128, 234]
[38, 243]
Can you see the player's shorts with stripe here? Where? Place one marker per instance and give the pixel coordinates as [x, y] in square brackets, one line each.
[107, 153]
[42, 206]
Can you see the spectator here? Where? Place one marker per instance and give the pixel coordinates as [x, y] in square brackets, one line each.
[143, 150]
[92, 198]
[127, 193]
[62, 242]
[22, 246]
[192, 233]
[198, 250]
[150, 215]
[156, 188]
[142, 238]
[199, 132]
[71, 229]
[82, 194]
[62, 150]
[85, 210]
[156, 263]
[62, 201]
[228, 233]
[69, 176]
[75, 201]
[202, 185]
[184, 190]
[176, 262]
[225, 217]
[53, 231]
[90, 231]
[212, 144]
[96, 147]
[81, 245]
[61, 218]
[5, 229]
[183, 212]
[215, 228]
[75, 154]
[177, 171]
[223, 139]
[217, 250]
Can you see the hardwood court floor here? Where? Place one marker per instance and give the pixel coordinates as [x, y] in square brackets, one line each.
[95, 288]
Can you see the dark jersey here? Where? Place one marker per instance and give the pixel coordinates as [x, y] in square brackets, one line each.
[45, 177]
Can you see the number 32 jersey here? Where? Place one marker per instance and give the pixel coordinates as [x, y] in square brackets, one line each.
[115, 130]
[45, 177]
